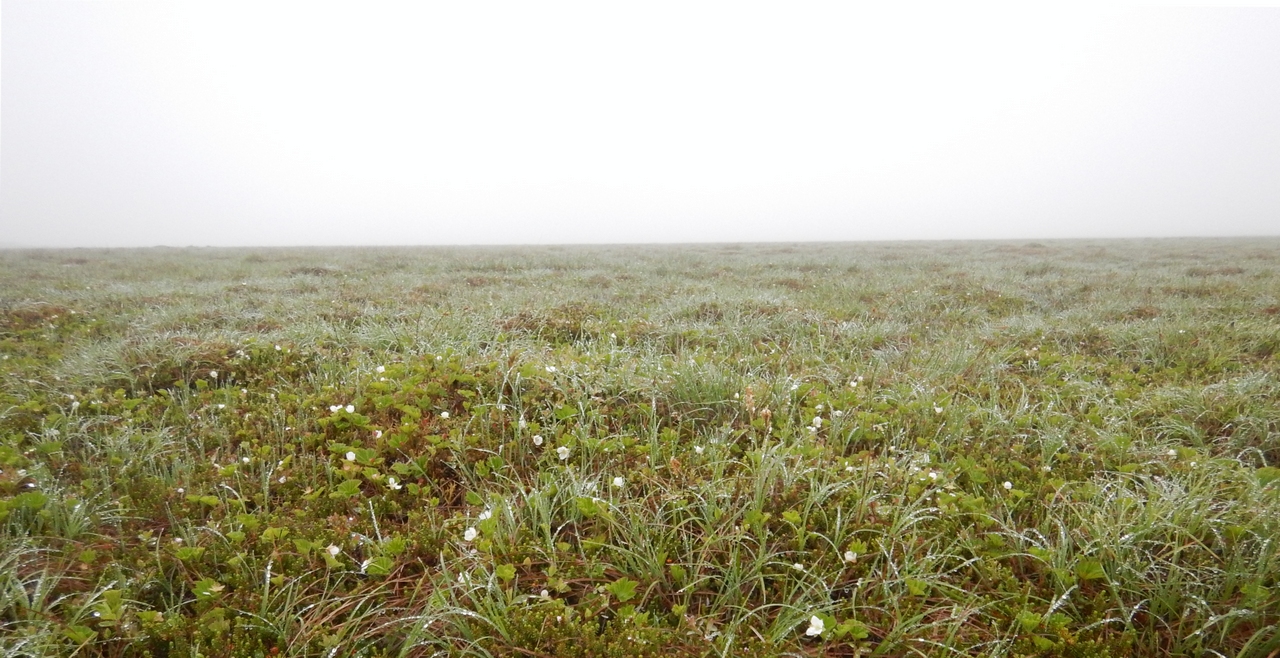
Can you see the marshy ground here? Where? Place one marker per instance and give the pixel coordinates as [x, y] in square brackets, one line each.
[1067, 448]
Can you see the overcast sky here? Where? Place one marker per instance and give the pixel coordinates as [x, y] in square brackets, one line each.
[281, 123]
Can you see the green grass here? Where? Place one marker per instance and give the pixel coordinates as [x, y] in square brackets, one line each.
[1062, 449]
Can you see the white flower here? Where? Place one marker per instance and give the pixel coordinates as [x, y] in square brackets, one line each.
[351, 456]
[333, 550]
[380, 369]
[551, 368]
[1007, 485]
[395, 486]
[837, 413]
[213, 374]
[244, 460]
[181, 490]
[470, 534]
[618, 481]
[795, 387]
[816, 627]
[798, 567]
[537, 439]
[1173, 453]
[937, 409]
[277, 348]
[333, 408]
[222, 406]
[850, 556]
[563, 452]
[444, 414]
[377, 434]
[522, 424]
[351, 408]
[817, 422]
[698, 449]
[545, 594]
[485, 515]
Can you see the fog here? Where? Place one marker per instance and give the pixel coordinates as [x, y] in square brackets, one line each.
[138, 124]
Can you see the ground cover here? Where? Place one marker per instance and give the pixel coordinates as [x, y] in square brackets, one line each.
[980, 448]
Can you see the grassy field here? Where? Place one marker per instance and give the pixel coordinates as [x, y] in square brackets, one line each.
[1001, 448]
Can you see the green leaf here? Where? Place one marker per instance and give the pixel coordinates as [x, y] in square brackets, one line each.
[274, 534]
[623, 589]
[474, 498]
[250, 522]
[347, 489]
[189, 553]
[506, 572]
[33, 501]
[394, 545]
[1028, 621]
[917, 587]
[216, 620]
[80, 634]
[208, 501]
[1090, 569]
[587, 506]
[378, 566]
[1254, 593]
[853, 629]
[207, 589]
[111, 606]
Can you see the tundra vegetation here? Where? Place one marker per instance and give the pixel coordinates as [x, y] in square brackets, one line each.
[985, 448]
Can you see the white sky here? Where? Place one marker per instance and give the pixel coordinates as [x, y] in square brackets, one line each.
[274, 123]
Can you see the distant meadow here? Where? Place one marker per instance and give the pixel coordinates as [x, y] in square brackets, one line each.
[1006, 448]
